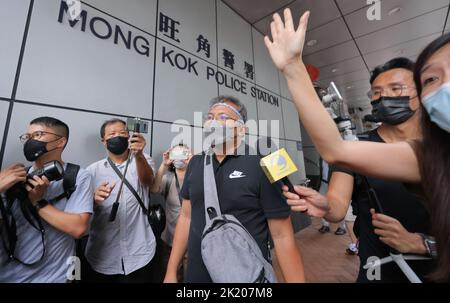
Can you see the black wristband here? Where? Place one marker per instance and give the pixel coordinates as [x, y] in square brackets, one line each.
[41, 204]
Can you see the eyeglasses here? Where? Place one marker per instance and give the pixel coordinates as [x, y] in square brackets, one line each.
[392, 91]
[221, 117]
[36, 136]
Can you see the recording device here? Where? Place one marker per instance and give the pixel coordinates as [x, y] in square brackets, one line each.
[333, 95]
[52, 170]
[137, 125]
[278, 166]
[178, 154]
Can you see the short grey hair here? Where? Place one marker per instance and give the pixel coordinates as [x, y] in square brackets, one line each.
[240, 106]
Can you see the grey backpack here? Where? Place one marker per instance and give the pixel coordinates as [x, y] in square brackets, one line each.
[229, 252]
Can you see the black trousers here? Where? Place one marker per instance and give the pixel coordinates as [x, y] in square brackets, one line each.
[150, 273]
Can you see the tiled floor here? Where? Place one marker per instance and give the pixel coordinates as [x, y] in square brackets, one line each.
[324, 256]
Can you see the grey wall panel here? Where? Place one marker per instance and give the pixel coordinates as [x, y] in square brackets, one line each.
[266, 74]
[246, 98]
[267, 146]
[291, 120]
[13, 15]
[181, 92]
[84, 143]
[3, 115]
[67, 66]
[234, 35]
[139, 13]
[167, 135]
[297, 157]
[195, 17]
[271, 112]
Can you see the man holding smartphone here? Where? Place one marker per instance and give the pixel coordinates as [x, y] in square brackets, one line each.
[121, 250]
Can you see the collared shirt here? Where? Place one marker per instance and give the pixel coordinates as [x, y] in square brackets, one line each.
[126, 244]
[243, 191]
[59, 246]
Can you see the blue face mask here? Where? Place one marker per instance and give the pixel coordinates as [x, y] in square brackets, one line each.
[437, 105]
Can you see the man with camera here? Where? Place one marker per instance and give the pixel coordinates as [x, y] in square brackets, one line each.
[44, 208]
[121, 245]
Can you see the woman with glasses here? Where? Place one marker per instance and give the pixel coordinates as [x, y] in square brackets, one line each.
[426, 161]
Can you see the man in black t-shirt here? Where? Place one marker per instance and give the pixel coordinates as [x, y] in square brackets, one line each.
[243, 191]
[405, 218]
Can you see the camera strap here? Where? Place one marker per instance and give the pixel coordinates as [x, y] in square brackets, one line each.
[69, 183]
[130, 187]
[11, 229]
[177, 184]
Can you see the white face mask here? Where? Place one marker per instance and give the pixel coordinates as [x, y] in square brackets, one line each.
[179, 164]
[218, 133]
[437, 104]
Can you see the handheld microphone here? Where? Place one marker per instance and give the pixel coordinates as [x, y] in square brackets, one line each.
[278, 166]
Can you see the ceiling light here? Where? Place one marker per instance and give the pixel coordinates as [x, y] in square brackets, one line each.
[394, 11]
[334, 70]
[311, 43]
[349, 87]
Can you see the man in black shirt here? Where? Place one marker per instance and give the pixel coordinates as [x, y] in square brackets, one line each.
[404, 218]
[243, 190]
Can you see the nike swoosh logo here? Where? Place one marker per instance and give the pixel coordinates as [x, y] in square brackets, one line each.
[236, 175]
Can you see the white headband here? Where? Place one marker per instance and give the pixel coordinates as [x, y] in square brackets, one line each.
[232, 108]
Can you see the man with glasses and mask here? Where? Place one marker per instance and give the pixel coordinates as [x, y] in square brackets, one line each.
[243, 191]
[405, 220]
[48, 221]
[121, 250]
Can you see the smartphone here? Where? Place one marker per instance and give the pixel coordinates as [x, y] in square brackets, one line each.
[137, 125]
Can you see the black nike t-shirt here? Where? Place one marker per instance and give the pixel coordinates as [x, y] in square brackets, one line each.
[244, 191]
[397, 202]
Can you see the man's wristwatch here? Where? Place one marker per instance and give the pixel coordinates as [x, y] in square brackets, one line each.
[41, 204]
[430, 245]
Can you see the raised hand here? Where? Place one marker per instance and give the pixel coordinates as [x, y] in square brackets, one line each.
[287, 45]
[11, 175]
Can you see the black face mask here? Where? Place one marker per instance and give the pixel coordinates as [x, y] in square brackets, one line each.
[33, 149]
[117, 145]
[390, 110]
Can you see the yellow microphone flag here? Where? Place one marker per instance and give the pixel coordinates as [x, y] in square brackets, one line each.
[278, 165]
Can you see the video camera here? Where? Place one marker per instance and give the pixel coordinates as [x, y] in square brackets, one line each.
[52, 170]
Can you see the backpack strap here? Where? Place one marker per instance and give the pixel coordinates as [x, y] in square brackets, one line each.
[70, 179]
[10, 226]
[212, 206]
[69, 183]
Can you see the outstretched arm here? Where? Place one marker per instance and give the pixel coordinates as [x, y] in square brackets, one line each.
[390, 161]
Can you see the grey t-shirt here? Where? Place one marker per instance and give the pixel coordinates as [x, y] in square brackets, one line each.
[59, 246]
[173, 205]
